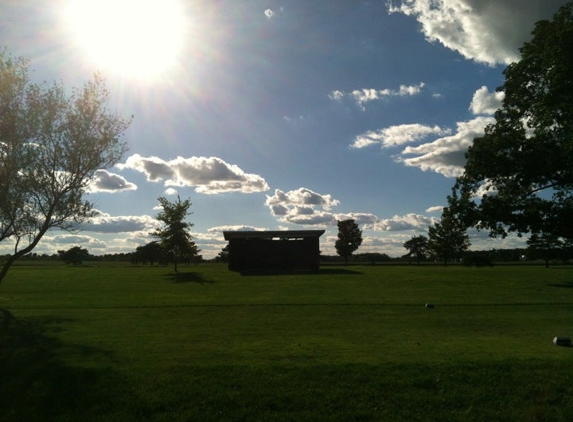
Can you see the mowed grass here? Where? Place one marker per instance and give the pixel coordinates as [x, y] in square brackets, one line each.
[346, 344]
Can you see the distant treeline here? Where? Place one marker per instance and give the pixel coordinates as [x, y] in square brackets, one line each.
[118, 257]
[477, 258]
[471, 258]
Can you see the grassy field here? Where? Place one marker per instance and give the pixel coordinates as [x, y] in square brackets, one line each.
[350, 343]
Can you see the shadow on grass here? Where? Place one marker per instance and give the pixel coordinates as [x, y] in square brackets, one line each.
[38, 386]
[281, 271]
[331, 271]
[565, 285]
[187, 277]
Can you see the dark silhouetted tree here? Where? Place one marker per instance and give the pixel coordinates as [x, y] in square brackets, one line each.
[51, 144]
[223, 256]
[150, 252]
[175, 236]
[417, 247]
[546, 246]
[448, 239]
[519, 175]
[75, 255]
[349, 239]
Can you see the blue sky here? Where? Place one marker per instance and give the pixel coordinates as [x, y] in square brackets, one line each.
[279, 114]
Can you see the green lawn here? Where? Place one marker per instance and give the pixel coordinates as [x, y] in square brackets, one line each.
[347, 344]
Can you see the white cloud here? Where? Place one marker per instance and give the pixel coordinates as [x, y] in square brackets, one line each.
[272, 14]
[485, 102]
[210, 175]
[238, 228]
[366, 95]
[446, 155]
[336, 95]
[410, 89]
[105, 223]
[316, 218]
[363, 219]
[435, 208]
[278, 210]
[104, 181]
[405, 222]
[76, 240]
[487, 31]
[301, 197]
[305, 207]
[171, 192]
[154, 168]
[302, 206]
[397, 135]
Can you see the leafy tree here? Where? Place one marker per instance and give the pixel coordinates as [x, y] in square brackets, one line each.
[524, 161]
[223, 256]
[448, 238]
[174, 235]
[150, 252]
[545, 246]
[417, 247]
[478, 258]
[349, 239]
[75, 255]
[372, 257]
[51, 144]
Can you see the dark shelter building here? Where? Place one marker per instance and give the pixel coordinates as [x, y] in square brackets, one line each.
[274, 250]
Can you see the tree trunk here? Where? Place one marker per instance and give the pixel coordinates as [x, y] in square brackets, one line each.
[7, 266]
[20, 253]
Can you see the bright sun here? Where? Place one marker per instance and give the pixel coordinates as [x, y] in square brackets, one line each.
[135, 38]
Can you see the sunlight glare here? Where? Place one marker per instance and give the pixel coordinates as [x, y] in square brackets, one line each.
[135, 38]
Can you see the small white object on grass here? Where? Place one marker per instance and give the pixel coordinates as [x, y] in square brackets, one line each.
[562, 341]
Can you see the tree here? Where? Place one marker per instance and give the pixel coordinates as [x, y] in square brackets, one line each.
[417, 247]
[223, 256]
[447, 239]
[546, 246]
[51, 144]
[524, 161]
[150, 252]
[75, 255]
[372, 257]
[174, 235]
[349, 239]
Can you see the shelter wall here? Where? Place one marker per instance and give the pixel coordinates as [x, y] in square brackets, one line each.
[286, 254]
